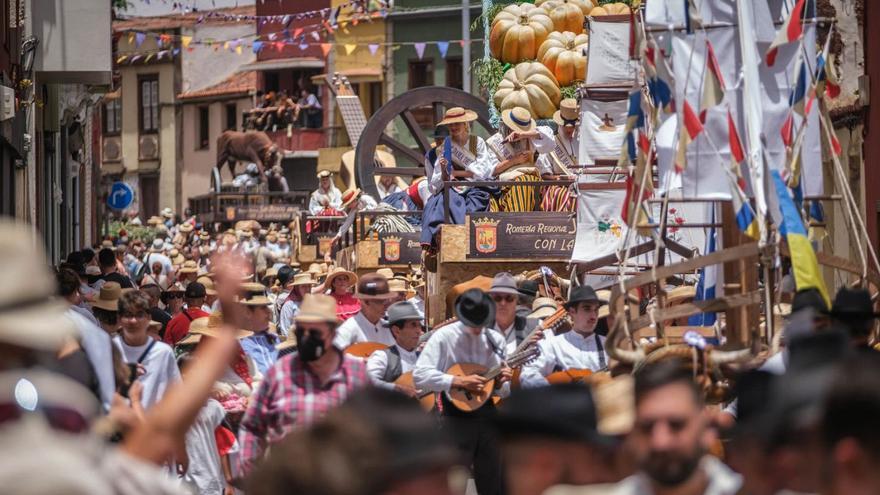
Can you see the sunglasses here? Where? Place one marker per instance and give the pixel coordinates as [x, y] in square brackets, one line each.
[133, 315]
[59, 418]
[503, 298]
[173, 295]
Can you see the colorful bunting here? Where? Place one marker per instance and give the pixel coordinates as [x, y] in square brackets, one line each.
[691, 127]
[325, 48]
[257, 46]
[420, 49]
[185, 41]
[443, 47]
[350, 48]
[374, 47]
[713, 83]
[792, 30]
[139, 39]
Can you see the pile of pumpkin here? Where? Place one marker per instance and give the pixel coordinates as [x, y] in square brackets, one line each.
[546, 44]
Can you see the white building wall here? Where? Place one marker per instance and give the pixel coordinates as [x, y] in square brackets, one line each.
[204, 66]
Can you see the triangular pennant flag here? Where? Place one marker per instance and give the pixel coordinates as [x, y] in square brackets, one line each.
[461, 43]
[792, 30]
[420, 49]
[350, 48]
[139, 39]
[691, 127]
[185, 41]
[316, 36]
[325, 48]
[296, 32]
[130, 38]
[238, 49]
[303, 46]
[258, 45]
[374, 47]
[443, 47]
[713, 83]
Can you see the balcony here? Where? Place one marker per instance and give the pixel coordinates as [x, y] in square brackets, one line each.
[299, 139]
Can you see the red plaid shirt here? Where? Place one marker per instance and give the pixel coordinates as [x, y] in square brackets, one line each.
[291, 396]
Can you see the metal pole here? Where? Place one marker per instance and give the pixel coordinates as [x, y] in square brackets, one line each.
[466, 45]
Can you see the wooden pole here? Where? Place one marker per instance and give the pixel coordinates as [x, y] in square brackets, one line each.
[740, 277]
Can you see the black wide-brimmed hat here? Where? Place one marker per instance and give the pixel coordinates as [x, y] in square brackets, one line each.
[853, 303]
[583, 293]
[565, 412]
[475, 309]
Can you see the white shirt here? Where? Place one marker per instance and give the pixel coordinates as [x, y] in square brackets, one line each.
[365, 202]
[150, 258]
[509, 337]
[545, 163]
[454, 344]
[160, 365]
[359, 329]
[378, 362]
[204, 469]
[419, 303]
[569, 350]
[285, 319]
[99, 350]
[383, 191]
[482, 166]
[333, 195]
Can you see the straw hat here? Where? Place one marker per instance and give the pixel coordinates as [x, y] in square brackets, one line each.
[29, 317]
[567, 115]
[167, 213]
[339, 272]
[270, 272]
[108, 297]
[615, 405]
[302, 279]
[209, 285]
[543, 307]
[397, 285]
[185, 227]
[317, 308]
[324, 173]
[350, 196]
[154, 220]
[176, 257]
[254, 294]
[518, 119]
[209, 326]
[385, 272]
[680, 294]
[189, 266]
[456, 115]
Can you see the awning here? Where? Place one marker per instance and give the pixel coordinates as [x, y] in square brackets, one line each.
[284, 63]
[361, 74]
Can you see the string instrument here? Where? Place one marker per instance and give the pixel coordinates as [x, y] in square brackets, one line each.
[553, 323]
[427, 335]
[569, 376]
[426, 399]
[467, 401]
[364, 349]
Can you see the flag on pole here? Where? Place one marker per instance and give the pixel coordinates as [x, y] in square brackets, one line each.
[708, 281]
[713, 83]
[798, 99]
[803, 259]
[745, 217]
[691, 127]
[816, 215]
[792, 30]
[659, 80]
[826, 76]
[692, 17]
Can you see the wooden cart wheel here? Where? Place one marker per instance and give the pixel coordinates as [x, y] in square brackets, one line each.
[413, 108]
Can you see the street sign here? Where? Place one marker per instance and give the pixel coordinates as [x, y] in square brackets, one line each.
[121, 196]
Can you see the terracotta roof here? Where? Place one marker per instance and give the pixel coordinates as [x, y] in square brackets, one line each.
[239, 83]
[172, 21]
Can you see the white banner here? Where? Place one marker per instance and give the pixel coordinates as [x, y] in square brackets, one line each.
[602, 126]
[608, 53]
[600, 229]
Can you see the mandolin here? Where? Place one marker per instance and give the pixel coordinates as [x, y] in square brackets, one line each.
[426, 399]
[467, 401]
[364, 349]
[569, 376]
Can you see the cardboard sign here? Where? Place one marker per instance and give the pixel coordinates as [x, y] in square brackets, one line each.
[522, 235]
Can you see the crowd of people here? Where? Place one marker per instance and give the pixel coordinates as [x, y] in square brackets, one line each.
[280, 110]
[215, 364]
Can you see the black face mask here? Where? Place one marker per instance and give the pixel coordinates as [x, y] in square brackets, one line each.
[309, 347]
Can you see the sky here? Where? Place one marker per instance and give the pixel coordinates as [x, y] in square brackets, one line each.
[160, 7]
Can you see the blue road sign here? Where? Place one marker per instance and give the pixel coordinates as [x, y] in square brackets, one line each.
[121, 196]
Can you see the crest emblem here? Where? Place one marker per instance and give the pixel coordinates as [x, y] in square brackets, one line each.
[391, 246]
[609, 225]
[486, 232]
[607, 124]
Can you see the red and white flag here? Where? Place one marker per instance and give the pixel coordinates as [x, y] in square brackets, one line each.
[691, 127]
[713, 83]
[792, 30]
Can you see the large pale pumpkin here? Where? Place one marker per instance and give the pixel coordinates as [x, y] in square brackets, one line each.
[518, 31]
[529, 85]
[567, 15]
[615, 8]
[564, 54]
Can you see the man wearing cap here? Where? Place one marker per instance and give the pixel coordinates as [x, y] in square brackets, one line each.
[469, 159]
[514, 145]
[549, 436]
[468, 341]
[581, 348]
[261, 345]
[854, 311]
[386, 366]
[366, 325]
[326, 189]
[178, 327]
[513, 327]
[300, 388]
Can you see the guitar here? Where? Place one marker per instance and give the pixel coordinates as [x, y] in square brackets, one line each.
[426, 399]
[553, 323]
[569, 376]
[467, 401]
[364, 349]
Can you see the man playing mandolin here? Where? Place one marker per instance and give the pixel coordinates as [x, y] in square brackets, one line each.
[579, 349]
[449, 363]
[386, 366]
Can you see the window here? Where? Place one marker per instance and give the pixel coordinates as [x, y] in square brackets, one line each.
[271, 81]
[149, 195]
[375, 97]
[454, 73]
[421, 73]
[231, 116]
[112, 117]
[149, 107]
[204, 126]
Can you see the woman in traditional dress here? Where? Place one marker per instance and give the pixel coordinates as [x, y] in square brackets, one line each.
[516, 144]
[558, 163]
[339, 283]
[462, 158]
